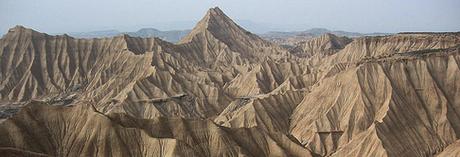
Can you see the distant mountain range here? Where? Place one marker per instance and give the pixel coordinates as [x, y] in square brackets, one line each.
[171, 36]
[282, 38]
[289, 39]
[318, 32]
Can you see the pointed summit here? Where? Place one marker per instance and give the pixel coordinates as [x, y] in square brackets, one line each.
[216, 26]
[216, 11]
[214, 19]
[221, 27]
[221, 40]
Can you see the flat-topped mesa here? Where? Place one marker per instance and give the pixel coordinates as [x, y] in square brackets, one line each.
[18, 28]
[21, 31]
[366, 47]
[431, 33]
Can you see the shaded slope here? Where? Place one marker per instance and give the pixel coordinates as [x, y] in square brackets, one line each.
[268, 77]
[268, 112]
[58, 131]
[77, 131]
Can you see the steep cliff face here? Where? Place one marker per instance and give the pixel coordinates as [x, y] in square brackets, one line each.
[223, 91]
[61, 69]
[406, 105]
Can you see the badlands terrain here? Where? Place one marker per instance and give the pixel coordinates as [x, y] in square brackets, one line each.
[223, 91]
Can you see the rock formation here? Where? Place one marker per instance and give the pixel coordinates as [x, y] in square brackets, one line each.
[326, 44]
[223, 91]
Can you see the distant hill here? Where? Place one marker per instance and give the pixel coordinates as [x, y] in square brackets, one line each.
[171, 36]
[95, 34]
[318, 32]
[291, 38]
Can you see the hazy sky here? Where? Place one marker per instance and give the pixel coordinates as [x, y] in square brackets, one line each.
[55, 16]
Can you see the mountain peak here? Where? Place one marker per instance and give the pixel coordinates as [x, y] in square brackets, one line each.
[216, 11]
[216, 28]
[214, 20]
[220, 26]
